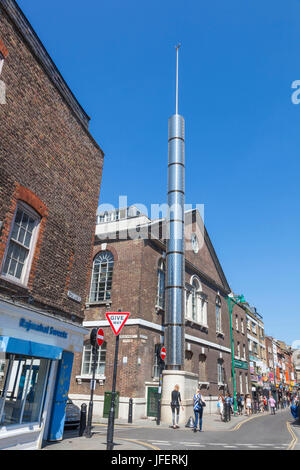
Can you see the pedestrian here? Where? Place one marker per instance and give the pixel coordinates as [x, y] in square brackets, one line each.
[284, 402]
[220, 406]
[228, 404]
[175, 406]
[272, 404]
[261, 404]
[265, 403]
[239, 403]
[199, 404]
[248, 405]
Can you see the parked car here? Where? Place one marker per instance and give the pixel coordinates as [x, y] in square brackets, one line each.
[72, 415]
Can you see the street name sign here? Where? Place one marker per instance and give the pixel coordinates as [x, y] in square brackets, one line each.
[117, 321]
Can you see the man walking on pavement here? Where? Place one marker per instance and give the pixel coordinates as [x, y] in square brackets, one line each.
[272, 404]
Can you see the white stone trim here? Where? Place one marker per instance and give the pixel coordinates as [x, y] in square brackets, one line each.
[154, 326]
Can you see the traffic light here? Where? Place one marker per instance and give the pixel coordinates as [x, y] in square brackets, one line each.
[93, 338]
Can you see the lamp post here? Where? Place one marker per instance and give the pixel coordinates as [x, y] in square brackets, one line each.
[232, 300]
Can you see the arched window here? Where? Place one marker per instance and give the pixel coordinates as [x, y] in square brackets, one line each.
[196, 303]
[102, 277]
[218, 314]
[161, 276]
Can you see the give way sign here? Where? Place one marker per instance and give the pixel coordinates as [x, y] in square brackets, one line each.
[117, 321]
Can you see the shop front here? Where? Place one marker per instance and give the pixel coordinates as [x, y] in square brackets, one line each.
[36, 359]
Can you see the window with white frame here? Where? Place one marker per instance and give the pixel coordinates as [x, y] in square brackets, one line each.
[249, 345]
[221, 374]
[87, 361]
[218, 314]
[102, 277]
[238, 350]
[255, 347]
[161, 276]
[248, 324]
[244, 352]
[247, 384]
[196, 303]
[241, 382]
[253, 327]
[237, 323]
[21, 244]
[242, 326]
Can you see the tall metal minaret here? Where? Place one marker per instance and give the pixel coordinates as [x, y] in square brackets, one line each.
[175, 284]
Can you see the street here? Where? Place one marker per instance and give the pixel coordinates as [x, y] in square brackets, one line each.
[260, 432]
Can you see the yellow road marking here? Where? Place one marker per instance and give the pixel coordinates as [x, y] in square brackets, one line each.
[295, 438]
[145, 444]
[245, 421]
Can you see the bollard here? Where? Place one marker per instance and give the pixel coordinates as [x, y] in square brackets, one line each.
[158, 411]
[82, 425]
[130, 411]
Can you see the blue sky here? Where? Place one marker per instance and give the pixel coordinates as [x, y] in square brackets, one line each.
[238, 61]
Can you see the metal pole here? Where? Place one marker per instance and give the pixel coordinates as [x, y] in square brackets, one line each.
[111, 419]
[232, 354]
[159, 396]
[91, 404]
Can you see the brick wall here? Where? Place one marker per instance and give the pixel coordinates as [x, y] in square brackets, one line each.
[48, 159]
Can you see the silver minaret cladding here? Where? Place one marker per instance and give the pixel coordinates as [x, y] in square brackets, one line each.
[175, 283]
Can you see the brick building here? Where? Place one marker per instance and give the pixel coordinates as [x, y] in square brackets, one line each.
[129, 274]
[241, 351]
[50, 174]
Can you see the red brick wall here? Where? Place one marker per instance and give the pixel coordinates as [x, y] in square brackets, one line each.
[51, 162]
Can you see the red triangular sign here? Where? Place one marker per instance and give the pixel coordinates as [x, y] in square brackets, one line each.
[117, 321]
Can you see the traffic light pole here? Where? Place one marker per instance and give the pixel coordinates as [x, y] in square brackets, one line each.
[93, 386]
[111, 419]
[232, 354]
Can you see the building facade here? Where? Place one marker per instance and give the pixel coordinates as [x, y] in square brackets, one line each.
[260, 381]
[129, 274]
[50, 173]
[241, 351]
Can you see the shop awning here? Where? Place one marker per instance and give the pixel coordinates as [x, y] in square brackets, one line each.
[29, 348]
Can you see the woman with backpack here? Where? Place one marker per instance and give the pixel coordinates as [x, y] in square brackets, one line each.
[199, 404]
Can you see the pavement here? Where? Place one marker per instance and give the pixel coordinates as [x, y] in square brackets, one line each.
[261, 431]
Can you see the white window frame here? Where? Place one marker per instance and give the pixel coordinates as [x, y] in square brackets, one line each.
[103, 348]
[237, 323]
[161, 299]
[28, 263]
[242, 326]
[219, 315]
[106, 290]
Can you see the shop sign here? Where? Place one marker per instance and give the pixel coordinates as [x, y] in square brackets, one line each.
[40, 328]
[254, 378]
[241, 365]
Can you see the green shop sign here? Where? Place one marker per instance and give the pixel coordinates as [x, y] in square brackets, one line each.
[241, 365]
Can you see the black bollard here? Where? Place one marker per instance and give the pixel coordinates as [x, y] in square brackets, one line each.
[158, 411]
[130, 411]
[82, 419]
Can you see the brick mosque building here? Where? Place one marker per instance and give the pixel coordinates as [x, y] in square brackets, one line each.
[129, 274]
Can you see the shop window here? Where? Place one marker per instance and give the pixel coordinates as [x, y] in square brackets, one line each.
[23, 389]
[102, 277]
[17, 261]
[87, 361]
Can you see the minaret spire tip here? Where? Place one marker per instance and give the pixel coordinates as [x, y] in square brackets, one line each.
[177, 75]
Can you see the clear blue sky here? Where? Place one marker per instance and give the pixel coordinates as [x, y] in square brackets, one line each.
[238, 62]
